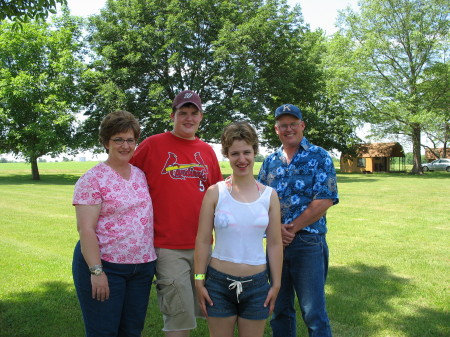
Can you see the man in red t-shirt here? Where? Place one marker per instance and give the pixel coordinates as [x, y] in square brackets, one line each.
[179, 168]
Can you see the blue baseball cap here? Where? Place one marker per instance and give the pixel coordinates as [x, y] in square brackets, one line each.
[288, 109]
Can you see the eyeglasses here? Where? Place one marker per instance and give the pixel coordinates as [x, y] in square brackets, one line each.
[293, 126]
[120, 141]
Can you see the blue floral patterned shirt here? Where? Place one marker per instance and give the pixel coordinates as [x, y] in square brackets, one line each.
[309, 176]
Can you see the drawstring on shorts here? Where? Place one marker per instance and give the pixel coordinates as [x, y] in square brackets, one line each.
[237, 285]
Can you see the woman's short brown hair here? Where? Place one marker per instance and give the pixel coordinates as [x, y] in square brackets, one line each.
[118, 122]
[238, 131]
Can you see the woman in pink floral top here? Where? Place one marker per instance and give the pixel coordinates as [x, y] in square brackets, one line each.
[114, 261]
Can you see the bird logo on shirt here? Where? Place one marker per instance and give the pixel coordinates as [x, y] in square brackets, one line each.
[182, 171]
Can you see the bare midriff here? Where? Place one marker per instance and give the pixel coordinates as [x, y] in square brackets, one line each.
[236, 269]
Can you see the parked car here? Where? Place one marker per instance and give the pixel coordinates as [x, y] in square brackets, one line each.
[437, 165]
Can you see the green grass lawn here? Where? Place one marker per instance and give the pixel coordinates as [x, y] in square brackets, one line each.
[389, 255]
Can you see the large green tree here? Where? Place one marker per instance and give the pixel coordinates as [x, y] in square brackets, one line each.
[244, 57]
[437, 128]
[40, 66]
[383, 57]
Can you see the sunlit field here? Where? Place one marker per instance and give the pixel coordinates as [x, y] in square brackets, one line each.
[389, 255]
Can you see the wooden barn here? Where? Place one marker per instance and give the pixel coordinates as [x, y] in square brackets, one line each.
[376, 157]
[436, 153]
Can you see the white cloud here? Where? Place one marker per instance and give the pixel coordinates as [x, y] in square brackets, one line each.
[85, 7]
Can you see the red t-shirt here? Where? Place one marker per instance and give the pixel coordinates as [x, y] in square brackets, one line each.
[178, 171]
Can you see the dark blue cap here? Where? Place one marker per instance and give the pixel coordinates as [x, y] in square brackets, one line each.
[288, 109]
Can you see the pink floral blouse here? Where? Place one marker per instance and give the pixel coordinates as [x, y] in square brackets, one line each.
[125, 225]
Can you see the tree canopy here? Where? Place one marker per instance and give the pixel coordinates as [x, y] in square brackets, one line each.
[26, 10]
[40, 66]
[244, 57]
[391, 67]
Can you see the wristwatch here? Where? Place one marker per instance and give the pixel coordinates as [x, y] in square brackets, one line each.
[96, 269]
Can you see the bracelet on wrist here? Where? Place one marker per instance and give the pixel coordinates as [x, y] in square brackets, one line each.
[199, 277]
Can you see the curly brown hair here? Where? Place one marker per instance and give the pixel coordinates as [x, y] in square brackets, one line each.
[239, 131]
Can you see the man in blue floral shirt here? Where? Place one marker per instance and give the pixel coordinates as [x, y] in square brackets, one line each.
[305, 179]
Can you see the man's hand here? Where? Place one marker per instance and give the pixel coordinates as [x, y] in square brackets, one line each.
[287, 234]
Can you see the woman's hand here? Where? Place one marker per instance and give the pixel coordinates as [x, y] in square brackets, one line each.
[271, 298]
[100, 287]
[203, 297]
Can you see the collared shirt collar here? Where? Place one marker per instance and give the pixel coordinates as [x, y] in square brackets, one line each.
[304, 143]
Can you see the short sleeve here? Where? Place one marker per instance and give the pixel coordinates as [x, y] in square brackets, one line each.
[87, 190]
[141, 154]
[325, 186]
[217, 173]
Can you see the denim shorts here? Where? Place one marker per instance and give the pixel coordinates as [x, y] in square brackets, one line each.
[249, 304]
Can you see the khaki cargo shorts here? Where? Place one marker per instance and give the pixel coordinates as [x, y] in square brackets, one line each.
[176, 289]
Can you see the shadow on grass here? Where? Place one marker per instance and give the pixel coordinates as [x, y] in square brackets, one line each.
[359, 177]
[71, 179]
[360, 302]
[356, 178]
[51, 311]
[46, 179]
[359, 305]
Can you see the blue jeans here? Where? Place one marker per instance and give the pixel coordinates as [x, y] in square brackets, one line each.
[305, 268]
[123, 314]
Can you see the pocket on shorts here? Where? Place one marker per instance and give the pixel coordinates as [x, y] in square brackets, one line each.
[169, 299]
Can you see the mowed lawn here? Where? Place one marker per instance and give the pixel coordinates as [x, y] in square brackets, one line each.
[389, 245]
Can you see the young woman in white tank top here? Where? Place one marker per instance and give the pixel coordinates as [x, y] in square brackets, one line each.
[232, 286]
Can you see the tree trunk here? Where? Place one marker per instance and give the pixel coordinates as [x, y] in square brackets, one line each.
[35, 169]
[446, 139]
[417, 160]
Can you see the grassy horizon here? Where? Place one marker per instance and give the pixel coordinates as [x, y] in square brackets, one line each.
[388, 240]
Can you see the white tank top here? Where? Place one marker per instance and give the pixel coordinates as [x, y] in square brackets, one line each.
[239, 227]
